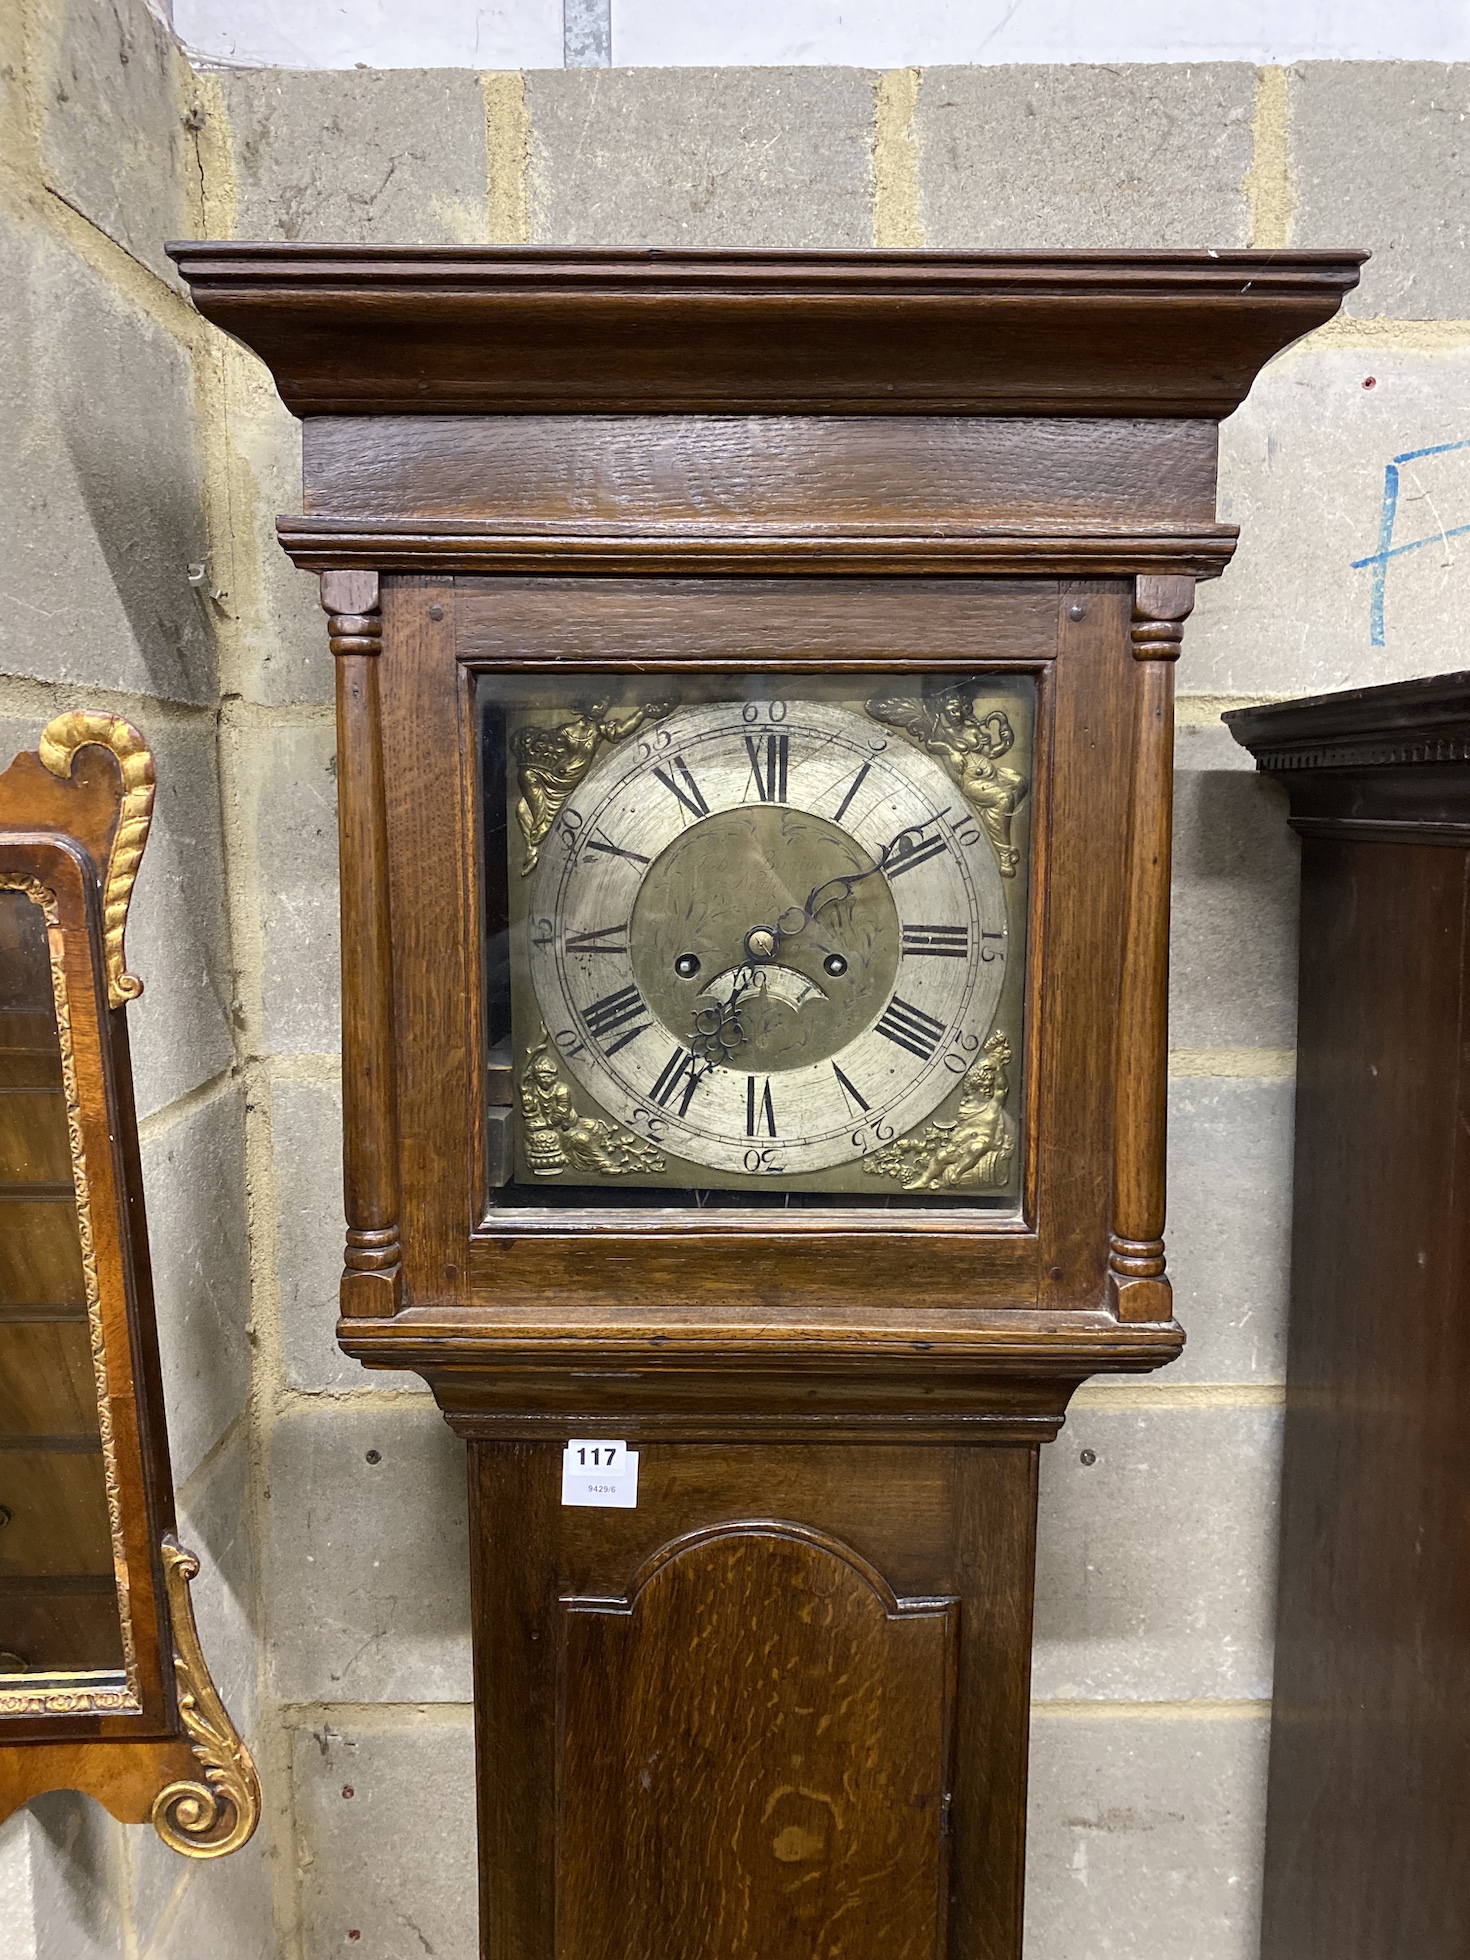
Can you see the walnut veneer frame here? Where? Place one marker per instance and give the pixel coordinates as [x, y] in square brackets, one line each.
[522, 462]
[157, 1744]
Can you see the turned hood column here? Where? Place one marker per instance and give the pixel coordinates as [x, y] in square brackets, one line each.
[1136, 1256]
[372, 1279]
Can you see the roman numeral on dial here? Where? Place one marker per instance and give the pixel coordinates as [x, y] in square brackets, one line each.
[690, 794]
[611, 1015]
[615, 850]
[681, 1075]
[760, 1111]
[853, 788]
[910, 858]
[936, 942]
[855, 1096]
[768, 764]
[911, 1028]
[600, 939]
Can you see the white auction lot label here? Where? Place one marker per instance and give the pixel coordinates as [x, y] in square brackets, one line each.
[601, 1473]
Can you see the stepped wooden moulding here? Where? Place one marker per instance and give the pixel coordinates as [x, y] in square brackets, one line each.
[755, 680]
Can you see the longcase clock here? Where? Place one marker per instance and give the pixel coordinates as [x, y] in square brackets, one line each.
[755, 702]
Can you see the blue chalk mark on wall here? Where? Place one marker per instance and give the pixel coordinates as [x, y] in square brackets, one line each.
[1387, 549]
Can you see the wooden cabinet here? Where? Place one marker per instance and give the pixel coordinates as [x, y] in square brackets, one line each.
[796, 631]
[1369, 1820]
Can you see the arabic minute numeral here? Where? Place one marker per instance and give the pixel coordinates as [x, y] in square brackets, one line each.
[989, 953]
[769, 758]
[611, 1015]
[688, 791]
[963, 1049]
[936, 942]
[760, 1111]
[569, 829]
[911, 1028]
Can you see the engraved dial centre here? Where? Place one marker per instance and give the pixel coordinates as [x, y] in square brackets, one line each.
[704, 895]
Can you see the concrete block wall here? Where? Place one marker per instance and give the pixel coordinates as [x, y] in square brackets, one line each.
[114, 486]
[343, 1555]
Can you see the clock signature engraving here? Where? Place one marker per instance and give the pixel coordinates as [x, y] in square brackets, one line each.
[768, 940]
[762, 972]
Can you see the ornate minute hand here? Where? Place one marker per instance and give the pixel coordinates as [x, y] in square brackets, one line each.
[898, 847]
[718, 1040]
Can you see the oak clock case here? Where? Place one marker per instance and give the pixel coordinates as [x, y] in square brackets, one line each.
[682, 1103]
[761, 940]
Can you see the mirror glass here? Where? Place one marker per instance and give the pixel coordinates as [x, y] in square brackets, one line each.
[60, 1615]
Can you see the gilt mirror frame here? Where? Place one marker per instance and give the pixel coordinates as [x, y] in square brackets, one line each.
[148, 1737]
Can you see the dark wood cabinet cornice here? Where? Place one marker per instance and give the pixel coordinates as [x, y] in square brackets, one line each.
[1402, 724]
[495, 330]
[1372, 764]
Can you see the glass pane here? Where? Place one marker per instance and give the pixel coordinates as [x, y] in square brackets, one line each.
[59, 1612]
[756, 942]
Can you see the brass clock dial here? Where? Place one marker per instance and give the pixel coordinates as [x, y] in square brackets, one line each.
[766, 937]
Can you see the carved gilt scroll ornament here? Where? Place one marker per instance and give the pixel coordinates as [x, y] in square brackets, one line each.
[217, 1814]
[92, 1287]
[82, 1697]
[973, 1151]
[550, 762]
[57, 749]
[558, 1139]
[970, 746]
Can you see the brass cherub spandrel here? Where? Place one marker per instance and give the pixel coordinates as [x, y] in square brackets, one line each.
[970, 745]
[973, 1151]
[550, 762]
[558, 1139]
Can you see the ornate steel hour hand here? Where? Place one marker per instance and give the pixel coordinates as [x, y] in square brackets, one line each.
[717, 1028]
